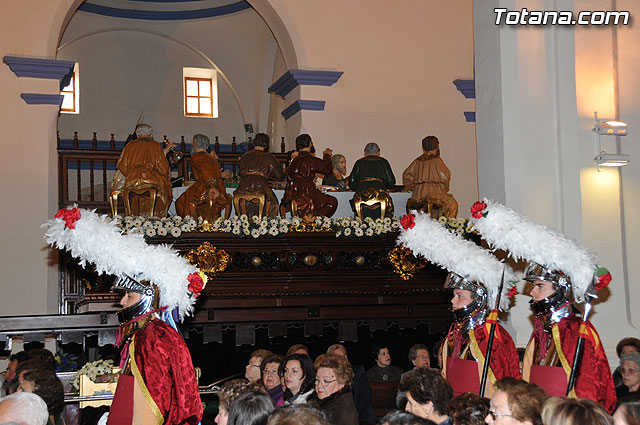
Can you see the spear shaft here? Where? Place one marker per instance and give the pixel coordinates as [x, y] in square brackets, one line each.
[492, 333]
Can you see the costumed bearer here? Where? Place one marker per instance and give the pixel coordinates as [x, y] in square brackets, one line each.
[157, 384]
[476, 278]
[562, 274]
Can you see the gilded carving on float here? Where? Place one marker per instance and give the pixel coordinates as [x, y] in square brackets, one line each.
[209, 259]
[405, 263]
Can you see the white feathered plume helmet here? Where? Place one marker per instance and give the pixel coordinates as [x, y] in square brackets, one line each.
[95, 239]
[507, 230]
[430, 239]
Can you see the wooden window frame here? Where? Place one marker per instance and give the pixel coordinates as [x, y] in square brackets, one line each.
[210, 97]
[72, 83]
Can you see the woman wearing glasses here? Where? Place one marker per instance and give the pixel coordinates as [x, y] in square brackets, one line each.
[270, 369]
[516, 402]
[630, 371]
[333, 390]
[299, 377]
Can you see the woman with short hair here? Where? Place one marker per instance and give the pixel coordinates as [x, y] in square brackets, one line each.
[428, 395]
[570, 411]
[250, 409]
[333, 390]
[270, 372]
[518, 401]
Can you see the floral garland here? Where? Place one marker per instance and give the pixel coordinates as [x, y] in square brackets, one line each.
[256, 227]
[93, 370]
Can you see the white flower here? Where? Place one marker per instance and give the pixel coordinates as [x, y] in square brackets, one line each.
[338, 234]
[227, 228]
[358, 232]
[395, 224]
[379, 226]
[255, 233]
[255, 219]
[175, 232]
[245, 225]
[157, 224]
[295, 221]
[137, 222]
[177, 219]
[244, 217]
[237, 225]
[387, 228]
[138, 230]
[236, 230]
[185, 227]
[162, 231]
[378, 230]
[150, 232]
[168, 225]
[273, 231]
[387, 220]
[147, 224]
[326, 222]
[460, 230]
[246, 231]
[369, 232]
[263, 230]
[284, 228]
[442, 219]
[318, 221]
[219, 221]
[346, 222]
[347, 231]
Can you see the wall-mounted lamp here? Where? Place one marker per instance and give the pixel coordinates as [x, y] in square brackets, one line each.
[609, 128]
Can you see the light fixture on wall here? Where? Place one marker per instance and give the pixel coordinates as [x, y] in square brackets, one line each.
[609, 128]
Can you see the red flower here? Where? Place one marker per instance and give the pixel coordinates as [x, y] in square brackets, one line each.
[603, 281]
[408, 221]
[196, 284]
[69, 216]
[513, 291]
[477, 208]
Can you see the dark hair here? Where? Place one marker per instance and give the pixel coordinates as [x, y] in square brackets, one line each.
[20, 356]
[375, 350]
[308, 371]
[42, 354]
[427, 385]
[47, 385]
[468, 409]
[250, 409]
[231, 390]
[261, 140]
[631, 412]
[31, 364]
[430, 143]
[399, 417]
[413, 351]
[629, 341]
[271, 358]
[303, 141]
[295, 348]
[525, 399]
[569, 411]
[298, 414]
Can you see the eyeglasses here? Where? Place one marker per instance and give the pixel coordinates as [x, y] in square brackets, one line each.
[630, 371]
[495, 415]
[270, 372]
[324, 382]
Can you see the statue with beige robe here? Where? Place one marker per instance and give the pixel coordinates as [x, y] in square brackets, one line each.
[428, 177]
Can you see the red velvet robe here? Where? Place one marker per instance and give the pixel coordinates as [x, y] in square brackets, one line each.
[593, 380]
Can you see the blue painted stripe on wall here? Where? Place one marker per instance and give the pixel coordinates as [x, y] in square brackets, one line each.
[298, 105]
[470, 116]
[165, 15]
[301, 77]
[466, 87]
[41, 68]
[42, 99]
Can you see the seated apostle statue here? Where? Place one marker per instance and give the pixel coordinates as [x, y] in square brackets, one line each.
[428, 177]
[207, 197]
[147, 185]
[255, 169]
[370, 179]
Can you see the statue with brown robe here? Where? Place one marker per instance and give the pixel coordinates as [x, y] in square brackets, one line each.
[147, 185]
[428, 177]
[207, 197]
[255, 169]
[301, 188]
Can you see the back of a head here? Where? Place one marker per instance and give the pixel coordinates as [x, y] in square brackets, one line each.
[430, 143]
[31, 364]
[250, 409]
[570, 411]
[629, 412]
[144, 131]
[428, 385]
[298, 414]
[261, 140]
[297, 347]
[47, 385]
[469, 409]
[231, 390]
[201, 141]
[303, 141]
[24, 409]
[372, 148]
[525, 399]
[404, 418]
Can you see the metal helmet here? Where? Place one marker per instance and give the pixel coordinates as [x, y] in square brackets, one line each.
[475, 312]
[149, 299]
[557, 305]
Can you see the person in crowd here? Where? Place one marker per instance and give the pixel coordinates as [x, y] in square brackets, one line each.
[571, 411]
[337, 177]
[557, 282]
[23, 408]
[468, 409]
[252, 369]
[298, 349]
[428, 178]
[299, 378]
[400, 417]
[382, 370]
[333, 390]
[255, 169]
[437, 348]
[207, 197]
[361, 388]
[301, 187]
[144, 165]
[630, 371]
[46, 384]
[36, 363]
[516, 402]
[627, 414]
[428, 395]
[372, 177]
[475, 278]
[230, 391]
[250, 409]
[626, 346]
[419, 356]
[10, 382]
[297, 414]
[270, 370]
